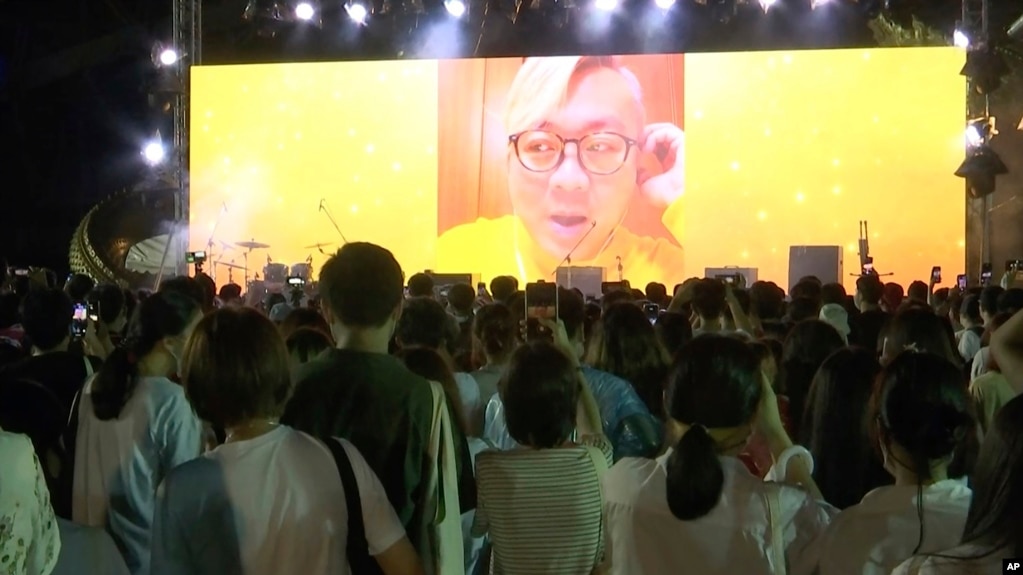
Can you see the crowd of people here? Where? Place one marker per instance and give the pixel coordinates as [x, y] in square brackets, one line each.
[401, 427]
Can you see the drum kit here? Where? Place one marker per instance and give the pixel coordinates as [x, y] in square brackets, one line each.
[276, 277]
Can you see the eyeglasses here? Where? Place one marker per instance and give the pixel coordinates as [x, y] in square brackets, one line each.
[602, 153]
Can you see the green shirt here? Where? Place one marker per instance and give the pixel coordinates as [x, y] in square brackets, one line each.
[386, 411]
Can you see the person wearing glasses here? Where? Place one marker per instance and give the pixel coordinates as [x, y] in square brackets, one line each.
[580, 153]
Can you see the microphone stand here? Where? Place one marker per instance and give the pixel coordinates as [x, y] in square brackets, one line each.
[568, 256]
[619, 258]
[209, 244]
[323, 208]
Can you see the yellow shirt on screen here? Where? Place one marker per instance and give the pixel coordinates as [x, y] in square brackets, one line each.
[502, 246]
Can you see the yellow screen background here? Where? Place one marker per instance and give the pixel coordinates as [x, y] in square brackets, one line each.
[271, 140]
[795, 148]
[782, 149]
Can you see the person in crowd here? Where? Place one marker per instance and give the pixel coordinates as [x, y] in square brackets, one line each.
[630, 426]
[47, 317]
[270, 497]
[186, 286]
[113, 314]
[872, 319]
[893, 296]
[757, 454]
[993, 530]
[494, 338]
[135, 425]
[431, 365]
[992, 390]
[657, 293]
[12, 334]
[968, 338]
[993, 300]
[545, 400]
[673, 331]
[209, 291]
[989, 303]
[78, 286]
[696, 509]
[922, 414]
[626, 345]
[809, 343]
[709, 302]
[420, 285]
[580, 155]
[955, 305]
[502, 288]
[833, 310]
[424, 323]
[808, 287]
[280, 312]
[461, 306]
[87, 551]
[1007, 350]
[801, 309]
[29, 538]
[231, 295]
[303, 317]
[919, 292]
[384, 410]
[918, 329]
[836, 427]
[305, 344]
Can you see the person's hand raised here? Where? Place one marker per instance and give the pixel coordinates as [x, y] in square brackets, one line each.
[666, 142]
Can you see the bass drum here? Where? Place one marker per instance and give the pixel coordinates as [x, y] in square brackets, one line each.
[275, 274]
[304, 271]
[256, 294]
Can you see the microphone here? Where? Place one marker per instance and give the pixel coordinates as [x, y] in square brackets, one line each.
[568, 256]
[223, 207]
[321, 204]
[619, 260]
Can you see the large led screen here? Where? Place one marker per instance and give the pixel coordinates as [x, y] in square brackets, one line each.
[663, 164]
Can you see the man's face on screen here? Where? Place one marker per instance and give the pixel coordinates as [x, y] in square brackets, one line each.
[558, 206]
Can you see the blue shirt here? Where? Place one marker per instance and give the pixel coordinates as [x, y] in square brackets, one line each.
[617, 401]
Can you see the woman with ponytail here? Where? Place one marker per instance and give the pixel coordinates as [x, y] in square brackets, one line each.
[922, 415]
[135, 425]
[697, 509]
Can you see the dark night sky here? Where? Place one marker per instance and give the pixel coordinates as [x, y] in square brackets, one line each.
[72, 126]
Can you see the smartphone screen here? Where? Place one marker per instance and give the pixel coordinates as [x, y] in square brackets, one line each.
[985, 274]
[481, 290]
[652, 311]
[93, 311]
[80, 319]
[936, 275]
[541, 303]
[961, 282]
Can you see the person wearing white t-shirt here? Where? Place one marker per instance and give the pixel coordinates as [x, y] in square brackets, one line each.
[697, 509]
[135, 425]
[993, 527]
[269, 500]
[923, 415]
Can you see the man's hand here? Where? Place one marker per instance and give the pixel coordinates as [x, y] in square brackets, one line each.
[666, 141]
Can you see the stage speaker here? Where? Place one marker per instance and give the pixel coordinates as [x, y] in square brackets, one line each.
[748, 274]
[585, 279]
[824, 262]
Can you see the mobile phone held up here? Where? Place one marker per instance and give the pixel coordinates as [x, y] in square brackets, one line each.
[961, 282]
[936, 275]
[79, 320]
[541, 303]
[652, 311]
[985, 274]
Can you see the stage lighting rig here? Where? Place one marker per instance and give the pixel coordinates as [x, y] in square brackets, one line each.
[154, 152]
[605, 5]
[357, 10]
[985, 68]
[767, 4]
[456, 8]
[980, 169]
[960, 39]
[664, 4]
[979, 131]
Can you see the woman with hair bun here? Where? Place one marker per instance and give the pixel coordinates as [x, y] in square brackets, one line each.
[922, 415]
[494, 340]
[697, 509]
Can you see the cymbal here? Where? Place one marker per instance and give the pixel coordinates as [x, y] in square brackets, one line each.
[232, 266]
[318, 246]
[252, 245]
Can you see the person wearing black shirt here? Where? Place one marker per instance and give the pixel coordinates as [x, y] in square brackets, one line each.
[869, 291]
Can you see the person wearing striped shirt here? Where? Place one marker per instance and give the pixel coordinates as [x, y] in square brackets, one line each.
[541, 503]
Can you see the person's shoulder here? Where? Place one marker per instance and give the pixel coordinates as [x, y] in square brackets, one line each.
[14, 447]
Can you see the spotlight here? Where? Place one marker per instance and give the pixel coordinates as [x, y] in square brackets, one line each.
[357, 12]
[814, 4]
[455, 7]
[980, 169]
[1016, 30]
[960, 39]
[606, 5]
[766, 4]
[980, 131]
[304, 11]
[664, 4]
[165, 56]
[985, 67]
[169, 57]
[154, 152]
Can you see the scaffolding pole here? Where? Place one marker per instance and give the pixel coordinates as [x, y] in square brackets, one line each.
[187, 33]
[975, 23]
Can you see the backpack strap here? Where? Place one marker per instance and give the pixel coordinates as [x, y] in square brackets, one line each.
[359, 559]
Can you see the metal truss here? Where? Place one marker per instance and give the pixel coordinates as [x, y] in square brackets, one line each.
[187, 34]
[976, 24]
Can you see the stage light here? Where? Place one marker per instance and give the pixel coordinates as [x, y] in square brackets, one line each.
[1016, 30]
[154, 153]
[664, 4]
[169, 57]
[980, 131]
[960, 39]
[980, 170]
[455, 7]
[814, 4]
[605, 5]
[357, 12]
[766, 4]
[304, 11]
